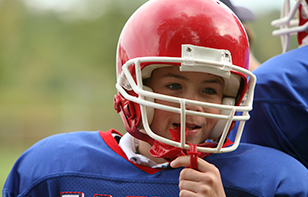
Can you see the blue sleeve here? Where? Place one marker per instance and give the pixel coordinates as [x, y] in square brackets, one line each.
[82, 164]
[50, 156]
[253, 170]
[279, 118]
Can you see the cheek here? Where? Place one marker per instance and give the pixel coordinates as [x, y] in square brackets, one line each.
[211, 110]
[217, 99]
[161, 117]
[211, 122]
[216, 111]
[167, 103]
[160, 121]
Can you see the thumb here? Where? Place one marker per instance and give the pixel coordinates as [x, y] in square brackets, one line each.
[182, 161]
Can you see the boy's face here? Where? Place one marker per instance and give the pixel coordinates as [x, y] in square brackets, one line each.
[190, 85]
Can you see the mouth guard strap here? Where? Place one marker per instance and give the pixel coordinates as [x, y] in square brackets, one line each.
[193, 156]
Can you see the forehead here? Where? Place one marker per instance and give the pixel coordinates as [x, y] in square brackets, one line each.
[174, 71]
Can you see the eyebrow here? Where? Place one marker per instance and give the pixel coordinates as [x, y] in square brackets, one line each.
[216, 80]
[174, 75]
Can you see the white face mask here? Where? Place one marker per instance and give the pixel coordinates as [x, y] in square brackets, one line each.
[199, 59]
[288, 23]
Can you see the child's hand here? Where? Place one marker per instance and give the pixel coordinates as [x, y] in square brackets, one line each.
[205, 181]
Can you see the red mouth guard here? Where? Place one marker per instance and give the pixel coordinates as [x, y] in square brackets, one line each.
[168, 152]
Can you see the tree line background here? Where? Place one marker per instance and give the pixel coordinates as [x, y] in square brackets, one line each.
[57, 69]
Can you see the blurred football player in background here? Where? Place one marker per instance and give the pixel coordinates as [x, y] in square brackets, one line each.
[246, 16]
[280, 114]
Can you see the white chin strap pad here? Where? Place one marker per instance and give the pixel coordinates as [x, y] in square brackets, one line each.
[220, 125]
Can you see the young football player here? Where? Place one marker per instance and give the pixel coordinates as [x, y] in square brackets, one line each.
[182, 78]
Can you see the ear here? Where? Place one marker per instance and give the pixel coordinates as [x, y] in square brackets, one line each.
[220, 125]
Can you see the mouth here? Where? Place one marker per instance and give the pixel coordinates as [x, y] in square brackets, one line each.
[191, 129]
[188, 126]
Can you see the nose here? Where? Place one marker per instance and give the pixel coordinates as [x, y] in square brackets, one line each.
[194, 108]
[192, 94]
[191, 106]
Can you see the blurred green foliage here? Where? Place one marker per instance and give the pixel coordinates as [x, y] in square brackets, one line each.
[57, 70]
[57, 74]
[265, 45]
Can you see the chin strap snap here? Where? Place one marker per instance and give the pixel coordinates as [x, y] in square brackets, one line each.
[193, 156]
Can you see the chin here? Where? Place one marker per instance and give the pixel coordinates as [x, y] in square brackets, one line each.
[194, 141]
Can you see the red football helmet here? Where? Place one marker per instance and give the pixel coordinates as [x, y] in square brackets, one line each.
[289, 26]
[198, 36]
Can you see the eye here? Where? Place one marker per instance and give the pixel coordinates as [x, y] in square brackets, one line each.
[174, 86]
[209, 91]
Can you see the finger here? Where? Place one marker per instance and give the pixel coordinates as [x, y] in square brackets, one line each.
[195, 187]
[205, 183]
[187, 193]
[189, 174]
[182, 161]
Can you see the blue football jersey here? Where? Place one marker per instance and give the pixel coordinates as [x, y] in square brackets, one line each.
[91, 164]
[279, 118]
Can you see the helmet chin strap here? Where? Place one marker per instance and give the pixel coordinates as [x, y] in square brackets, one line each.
[128, 116]
[168, 152]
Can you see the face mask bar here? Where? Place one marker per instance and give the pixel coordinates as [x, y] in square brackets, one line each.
[235, 113]
[287, 24]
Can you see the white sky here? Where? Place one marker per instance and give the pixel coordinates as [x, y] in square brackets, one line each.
[259, 5]
[254, 5]
[83, 6]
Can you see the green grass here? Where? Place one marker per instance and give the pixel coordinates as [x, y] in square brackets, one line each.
[8, 156]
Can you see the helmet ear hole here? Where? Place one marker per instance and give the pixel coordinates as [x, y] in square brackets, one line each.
[220, 124]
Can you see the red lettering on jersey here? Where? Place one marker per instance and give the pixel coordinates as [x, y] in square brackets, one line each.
[80, 194]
